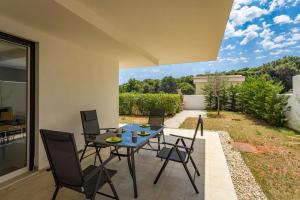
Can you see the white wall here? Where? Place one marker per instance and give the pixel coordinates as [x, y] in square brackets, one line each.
[69, 79]
[194, 102]
[294, 102]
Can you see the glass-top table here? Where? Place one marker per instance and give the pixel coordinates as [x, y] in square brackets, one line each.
[131, 145]
[126, 136]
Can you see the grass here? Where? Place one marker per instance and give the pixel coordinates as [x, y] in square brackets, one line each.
[277, 168]
[125, 119]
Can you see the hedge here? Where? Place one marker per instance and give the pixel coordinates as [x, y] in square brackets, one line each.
[140, 104]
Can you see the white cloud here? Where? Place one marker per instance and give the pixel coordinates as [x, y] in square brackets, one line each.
[262, 2]
[295, 37]
[231, 32]
[258, 51]
[279, 38]
[279, 52]
[295, 2]
[276, 4]
[295, 30]
[238, 3]
[297, 19]
[267, 44]
[229, 47]
[246, 14]
[266, 33]
[282, 19]
[249, 37]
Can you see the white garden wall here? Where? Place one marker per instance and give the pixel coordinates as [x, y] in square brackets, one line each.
[194, 102]
[294, 102]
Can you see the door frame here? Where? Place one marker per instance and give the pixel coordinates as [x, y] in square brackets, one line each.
[32, 91]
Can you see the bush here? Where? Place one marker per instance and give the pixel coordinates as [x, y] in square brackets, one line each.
[140, 104]
[259, 97]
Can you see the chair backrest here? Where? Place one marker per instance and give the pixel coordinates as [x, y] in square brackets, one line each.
[90, 122]
[199, 124]
[156, 117]
[63, 159]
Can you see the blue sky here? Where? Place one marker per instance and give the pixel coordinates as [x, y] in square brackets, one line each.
[258, 31]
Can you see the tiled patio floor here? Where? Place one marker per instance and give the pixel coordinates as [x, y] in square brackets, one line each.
[173, 184]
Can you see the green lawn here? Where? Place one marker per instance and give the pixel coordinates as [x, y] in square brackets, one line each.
[277, 165]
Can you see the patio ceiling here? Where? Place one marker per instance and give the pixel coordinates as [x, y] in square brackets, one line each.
[136, 32]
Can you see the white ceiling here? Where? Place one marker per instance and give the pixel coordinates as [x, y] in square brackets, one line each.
[135, 32]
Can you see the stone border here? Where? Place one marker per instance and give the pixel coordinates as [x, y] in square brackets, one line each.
[244, 182]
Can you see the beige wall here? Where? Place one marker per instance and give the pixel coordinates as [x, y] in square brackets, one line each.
[70, 79]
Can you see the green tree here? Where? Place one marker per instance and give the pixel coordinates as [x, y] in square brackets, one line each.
[169, 84]
[215, 91]
[187, 88]
[134, 85]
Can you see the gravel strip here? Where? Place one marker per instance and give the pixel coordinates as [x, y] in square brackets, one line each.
[244, 183]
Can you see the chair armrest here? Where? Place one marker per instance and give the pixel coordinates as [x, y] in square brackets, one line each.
[107, 128]
[176, 145]
[179, 136]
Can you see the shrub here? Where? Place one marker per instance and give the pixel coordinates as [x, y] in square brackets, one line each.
[140, 104]
[259, 97]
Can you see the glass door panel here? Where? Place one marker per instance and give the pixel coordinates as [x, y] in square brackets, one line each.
[13, 107]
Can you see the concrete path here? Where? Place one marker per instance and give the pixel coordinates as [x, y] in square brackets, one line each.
[175, 121]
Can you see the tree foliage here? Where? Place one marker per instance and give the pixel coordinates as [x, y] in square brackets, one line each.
[167, 85]
[215, 91]
[281, 70]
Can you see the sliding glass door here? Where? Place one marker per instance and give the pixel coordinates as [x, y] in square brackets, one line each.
[15, 109]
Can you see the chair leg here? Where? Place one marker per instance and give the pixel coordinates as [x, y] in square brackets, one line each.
[187, 171]
[111, 185]
[194, 165]
[163, 134]
[97, 155]
[55, 193]
[164, 166]
[158, 144]
[83, 153]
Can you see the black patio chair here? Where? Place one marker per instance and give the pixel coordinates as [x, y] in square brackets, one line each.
[181, 153]
[65, 166]
[156, 118]
[91, 128]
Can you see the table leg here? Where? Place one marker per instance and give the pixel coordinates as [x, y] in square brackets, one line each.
[129, 161]
[131, 166]
[133, 173]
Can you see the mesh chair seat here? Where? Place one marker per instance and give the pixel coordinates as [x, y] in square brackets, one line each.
[164, 152]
